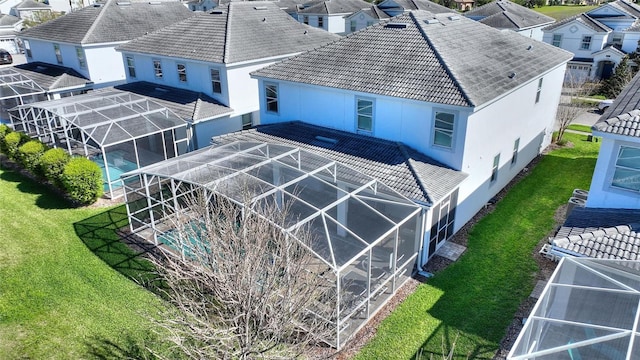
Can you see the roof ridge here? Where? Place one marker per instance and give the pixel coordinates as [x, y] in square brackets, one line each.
[96, 21]
[225, 51]
[507, 14]
[413, 171]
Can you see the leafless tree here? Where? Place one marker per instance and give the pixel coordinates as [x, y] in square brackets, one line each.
[242, 287]
[571, 104]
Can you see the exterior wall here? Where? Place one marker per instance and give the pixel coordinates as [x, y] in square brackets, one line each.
[205, 5]
[630, 41]
[601, 193]
[571, 41]
[361, 20]
[332, 23]
[534, 33]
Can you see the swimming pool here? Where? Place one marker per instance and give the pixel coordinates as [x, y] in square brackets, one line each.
[114, 170]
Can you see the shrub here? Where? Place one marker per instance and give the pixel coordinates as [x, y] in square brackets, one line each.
[30, 154]
[52, 165]
[4, 130]
[82, 180]
[11, 143]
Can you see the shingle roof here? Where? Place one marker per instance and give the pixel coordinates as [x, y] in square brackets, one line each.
[111, 22]
[627, 101]
[189, 105]
[331, 7]
[52, 77]
[407, 171]
[239, 31]
[618, 242]
[424, 61]
[504, 14]
[627, 124]
[376, 13]
[583, 219]
[409, 5]
[8, 20]
[628, 7]
[32, 4]
[583, 19]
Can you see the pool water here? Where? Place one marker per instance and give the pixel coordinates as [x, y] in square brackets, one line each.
[114, 171]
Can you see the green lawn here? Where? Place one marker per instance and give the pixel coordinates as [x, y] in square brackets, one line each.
[63, 294]
[579, 127]
[560, 12]
[477, 297]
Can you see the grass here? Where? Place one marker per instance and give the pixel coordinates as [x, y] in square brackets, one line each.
[578, 127]
[560, 12]
[476, 297]
[63, 289]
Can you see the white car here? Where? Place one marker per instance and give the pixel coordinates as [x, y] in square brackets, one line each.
[604, 105]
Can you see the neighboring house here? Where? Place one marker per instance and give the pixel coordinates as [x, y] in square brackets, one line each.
[363, 18]
[292, 7]
[214, 53]
[85, 40]
[329, 15]
[28, 8]
[599, 38]
[464, 5]
[507, 15]
[202, 5]
[397, 7]
[423, 95]
[56, 81]
[10, 26]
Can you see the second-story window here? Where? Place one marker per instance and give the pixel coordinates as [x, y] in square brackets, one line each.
[56, 50]
[557, 40]
[364, 112]
[131, 66]
[495, 168]
[305, 19]
[539, 91]
[353, 25]
[157, 69]
[216, 84]
[271, 96]
[80, 55]
[443, 129]
[182, 72]
[516, 148]
[27, 49]
[320, 22]
[586, 43]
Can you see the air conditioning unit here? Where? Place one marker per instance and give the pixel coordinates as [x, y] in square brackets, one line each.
[573, 203]
[581, 194]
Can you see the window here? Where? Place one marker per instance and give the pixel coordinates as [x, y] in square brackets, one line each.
[247, 121]
[586, 43]
[320, 22]
[495, 168]
[81, 60]
[131, 66]
[216, 85]
[627, 170]
[157, 69]
[516, 148]
[56, 49]
[27, 49]
[557, 40]
[539, 91]
[442, 221]
[305, 19]
[353, 25]
[369, 23]
[617, 39]
[182, 73]
[443, 129]
[364, 113]
[271, 95]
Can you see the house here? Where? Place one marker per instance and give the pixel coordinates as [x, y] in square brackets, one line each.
[85, 40]
[10, 26]
[363, 18]
[507, 15]
[201, 5]
[329, 15]
[57, 81]
[599, 38]
[214, 53]
[397, 7]
[27, 9]
[464, 5]
[422, 95]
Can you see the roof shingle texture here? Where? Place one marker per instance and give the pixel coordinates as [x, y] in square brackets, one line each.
[239, 31]
[52, 77]
[504, 14]
[627, 124]
[583, 19]
[110, 22]
[331, 7]
[627, 101]
[8, 20]
[407, 171]
[425, 62]
[32, 4]
[409, 5]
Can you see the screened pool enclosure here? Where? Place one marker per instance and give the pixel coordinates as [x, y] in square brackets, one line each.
[15, 90]
[366, 235]
[590, 309]
[118, 130]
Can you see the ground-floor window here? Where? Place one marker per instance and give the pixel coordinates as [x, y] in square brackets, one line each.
[442, 221]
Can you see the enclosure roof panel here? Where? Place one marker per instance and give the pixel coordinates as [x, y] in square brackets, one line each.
[14, 84]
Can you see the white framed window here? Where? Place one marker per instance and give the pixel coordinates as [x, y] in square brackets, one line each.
[539, 91]
[58, 52]
[216, 84]
[247, 121]
[157, 69]
[81, 59]
[364, 114]
[271, 97]
[369, 23]
[617, 39]
[320, 22]
[443, 128]
[586, 43]
[182, 72]
[627, 169]
[495, 168]
[352, 25]
[516, 149]
[557, 40]
[131, 66]
[27, 48]
[305, 19]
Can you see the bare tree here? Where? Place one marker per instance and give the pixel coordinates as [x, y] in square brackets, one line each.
[571, 104]
[242, 287]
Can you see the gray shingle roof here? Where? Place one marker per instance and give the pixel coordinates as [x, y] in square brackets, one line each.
[627, 124]
[407, 171]
[239, 31]
[583, 19]
[52, 77]
[189, 105]
[409, 5]
[331, 7]
[627, 101]
[504, 14]
[610, 243]
[628, 7]
[32, 4]
[110, 22]
[376, 13]
[425, 62]
[8, 20]
[582, 219]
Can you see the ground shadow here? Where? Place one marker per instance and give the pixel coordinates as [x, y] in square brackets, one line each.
[47, 198]
[105, 349]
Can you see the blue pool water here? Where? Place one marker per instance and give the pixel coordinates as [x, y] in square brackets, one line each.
[193, 232]
[114, 171]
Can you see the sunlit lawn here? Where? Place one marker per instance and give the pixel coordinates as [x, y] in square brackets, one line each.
[560, 12]
[477, 297]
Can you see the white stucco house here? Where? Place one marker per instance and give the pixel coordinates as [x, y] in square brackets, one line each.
[330, 15]
[214, 53]
[386, 9]
[85, 40]
[599, 38]
[10, 26]
[507, 15]
[487, 123]
[26, 9]
[202, 5]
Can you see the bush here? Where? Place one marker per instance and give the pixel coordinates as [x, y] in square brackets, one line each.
[12, 142]
[4, 130]
[52, 165]
[30, 154]
[82, 180]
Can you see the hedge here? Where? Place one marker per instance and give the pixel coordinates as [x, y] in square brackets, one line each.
[30, 154]
[52, 165]
[11, 143]
[82, 180]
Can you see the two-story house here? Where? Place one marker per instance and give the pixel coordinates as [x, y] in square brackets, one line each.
[85, 40]
[599, 38]
[10, 26]
[214, 53]
[27, 9]
[386, 9]
[330, 15]
[507, 15]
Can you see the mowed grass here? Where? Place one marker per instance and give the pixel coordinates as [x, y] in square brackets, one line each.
[59, 299]
[560, 12]
[475, 299]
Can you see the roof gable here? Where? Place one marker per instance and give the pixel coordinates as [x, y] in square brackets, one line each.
[618, 8]
[581, 20]
[331, 7]
[32, 4]
[504, 14]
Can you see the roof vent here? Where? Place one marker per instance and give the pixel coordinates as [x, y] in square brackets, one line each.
[432, 21]
[512, 75]
[393, 25]
[97, 5]
[264, 19]
[41, 68]
[327, 139]
[161, 89]
[260, 8]
[529, 47]
[454, 17]
[123, 3]
[155, 2]
[217, 12]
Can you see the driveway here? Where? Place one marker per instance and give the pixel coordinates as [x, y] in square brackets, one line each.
[588, 118]
[17, 60]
